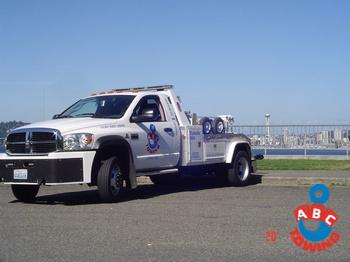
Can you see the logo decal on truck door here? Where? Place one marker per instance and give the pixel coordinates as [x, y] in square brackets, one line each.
[153, 140]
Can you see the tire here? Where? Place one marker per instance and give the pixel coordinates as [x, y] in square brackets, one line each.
[218, 126]
[207, 126]
[239, 173]
[110, 180]
[25, 193]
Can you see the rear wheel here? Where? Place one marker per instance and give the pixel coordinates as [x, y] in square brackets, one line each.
[110, 180]
[25, 193]
[239, 173]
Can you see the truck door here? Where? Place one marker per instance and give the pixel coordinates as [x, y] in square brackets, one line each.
[156, 143]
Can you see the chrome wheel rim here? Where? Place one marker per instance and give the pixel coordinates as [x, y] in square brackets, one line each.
[207, 127]
[243, 169]
[220, 128]
[115, 180]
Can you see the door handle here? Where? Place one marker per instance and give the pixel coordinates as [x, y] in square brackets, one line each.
[168, 130]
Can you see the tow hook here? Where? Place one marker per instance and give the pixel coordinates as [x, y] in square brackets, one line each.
[259, 157]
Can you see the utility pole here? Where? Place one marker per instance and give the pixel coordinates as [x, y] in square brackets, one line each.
[267, 123]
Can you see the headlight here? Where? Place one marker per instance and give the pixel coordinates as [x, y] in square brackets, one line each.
[77, 141]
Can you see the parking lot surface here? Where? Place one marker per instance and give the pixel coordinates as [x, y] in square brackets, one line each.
[197, 221]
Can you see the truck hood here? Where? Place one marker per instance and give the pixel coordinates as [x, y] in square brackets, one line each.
[69, 125]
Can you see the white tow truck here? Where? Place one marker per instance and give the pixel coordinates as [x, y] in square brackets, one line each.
[109, 139]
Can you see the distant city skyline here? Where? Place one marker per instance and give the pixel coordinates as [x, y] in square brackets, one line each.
[336, 138]
[295, 136]
[290, 59]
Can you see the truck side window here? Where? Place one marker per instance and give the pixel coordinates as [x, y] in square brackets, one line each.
[151, 102]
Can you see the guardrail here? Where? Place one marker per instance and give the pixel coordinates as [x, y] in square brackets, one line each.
[325, 140]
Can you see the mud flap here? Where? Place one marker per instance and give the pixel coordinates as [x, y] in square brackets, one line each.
[253, 166]
[254, 159]
[131, 181]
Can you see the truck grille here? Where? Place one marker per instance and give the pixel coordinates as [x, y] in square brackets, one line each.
[33, 141]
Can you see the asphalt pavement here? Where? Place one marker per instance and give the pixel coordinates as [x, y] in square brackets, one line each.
[299, 178]
[195, 221]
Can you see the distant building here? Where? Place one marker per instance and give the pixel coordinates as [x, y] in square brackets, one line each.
[347, 135]
[319, 138]
[338, 135]
[326, 138]
[286, 136]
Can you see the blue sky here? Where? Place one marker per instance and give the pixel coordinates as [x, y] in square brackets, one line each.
[245, 58]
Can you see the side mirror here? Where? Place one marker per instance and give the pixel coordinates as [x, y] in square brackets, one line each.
[147, 116]
[55, 116]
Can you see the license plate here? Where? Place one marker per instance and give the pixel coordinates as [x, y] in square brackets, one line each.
[20, 174]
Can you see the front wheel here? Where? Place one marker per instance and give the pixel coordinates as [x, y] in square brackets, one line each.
[110, 180]
[25, 193]
[239, 173]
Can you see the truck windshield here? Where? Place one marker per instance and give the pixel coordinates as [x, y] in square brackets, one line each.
[99, 107]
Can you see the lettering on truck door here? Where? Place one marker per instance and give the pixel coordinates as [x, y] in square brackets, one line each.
[158, 143]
